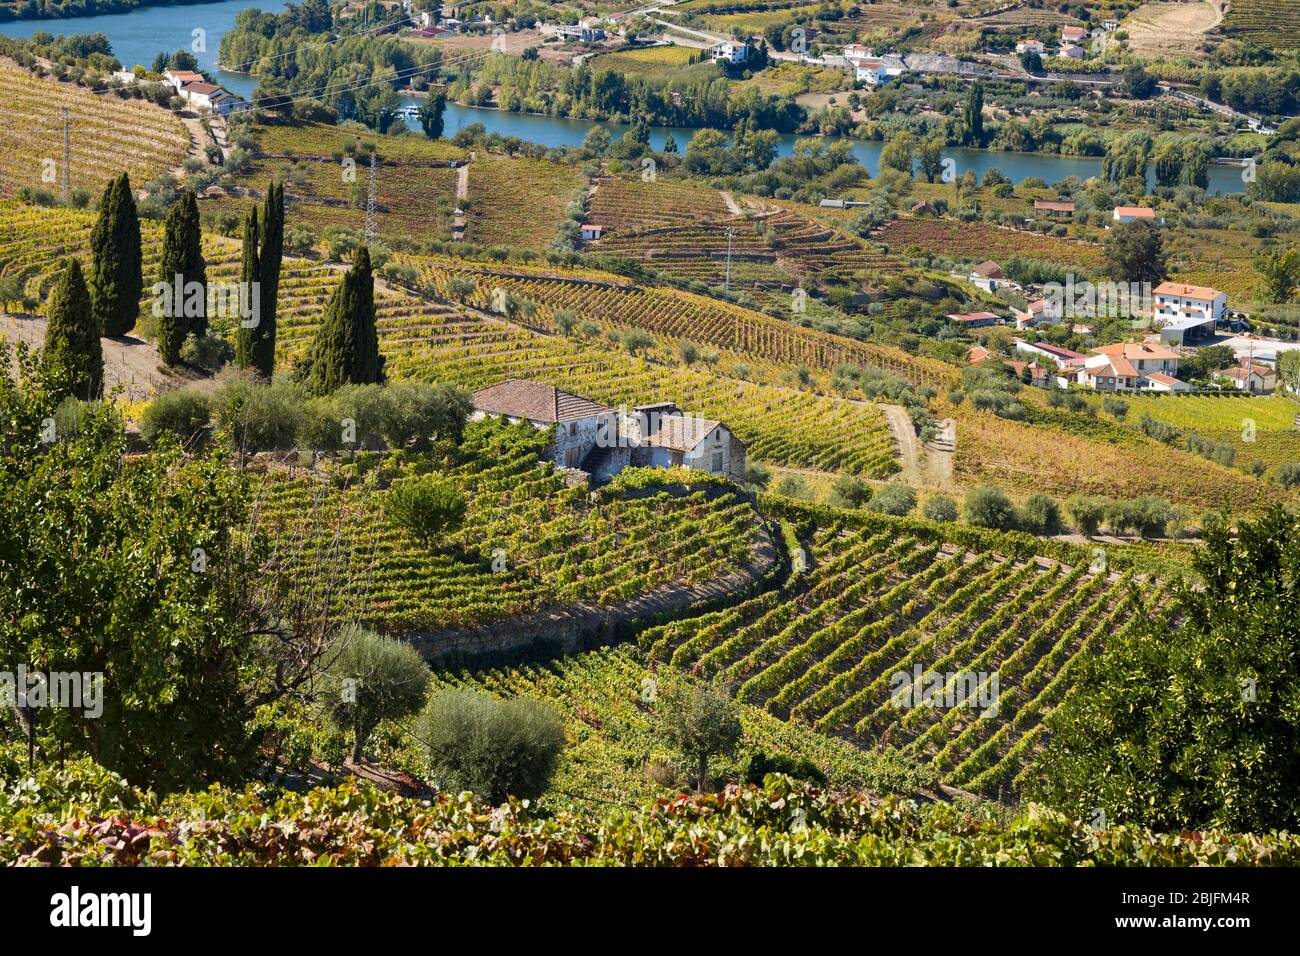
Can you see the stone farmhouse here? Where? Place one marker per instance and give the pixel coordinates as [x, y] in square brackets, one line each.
[601, 441]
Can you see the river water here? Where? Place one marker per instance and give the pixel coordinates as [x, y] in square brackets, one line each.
[138, 36]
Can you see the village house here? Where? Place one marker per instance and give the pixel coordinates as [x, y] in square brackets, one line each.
[584, 31]
[1133, 213]
[974, 320]
[205, 96]
[1071, 51]
[1186, 311]
[1061, 357]
[590, 232]
[1131, 366]
[1073, 34]
[1038, 312]
[602, 441]
[1031, 46]
[178, 78]
[987, 276]
[1054, 209]
[1253, 377]
[730, 52]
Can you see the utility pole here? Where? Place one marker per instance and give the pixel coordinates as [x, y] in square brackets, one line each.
[67, 155]
[370, 201]
[726, 286]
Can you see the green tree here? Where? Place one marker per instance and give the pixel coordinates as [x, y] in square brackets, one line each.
[72, 335]
[1135, 252]
[1193, 724]
[250, 272]
[373, 678]
[700, 721]
[430, 113]
[116, 280]
[897, 153]
[972, 118]
[270, 258]
[494, 748]
[1279, 275]
[183, 278]
[929, 155]
[145, 570]
[346, 347]
[940, 508]
[990, 507]
[425, 506]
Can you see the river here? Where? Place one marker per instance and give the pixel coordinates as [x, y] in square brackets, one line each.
[138, 36]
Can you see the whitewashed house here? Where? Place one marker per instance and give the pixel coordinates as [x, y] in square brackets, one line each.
[1071, 51]
[1177, 301]
[205, 96]
[1133, 213]
[1132, 366]
[1031, 46]
[602, 441]
[1254, 378]
[987, 276]
[178, 78]
[730, 52]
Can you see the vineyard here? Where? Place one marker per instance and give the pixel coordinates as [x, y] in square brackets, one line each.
[106, 135]
[876, 603]
[1261, 429]
[517, 202]
[607, 698]
[622, 205]
[555, 546]
[677, 314]
[1025, 458]
[974, 240]
[1269, 23]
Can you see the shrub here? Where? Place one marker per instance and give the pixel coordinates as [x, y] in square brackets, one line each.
[699, 721]
[182, 413]
[850, 492]
[425, 506]
[494, 748]
[1040, 515]
[761, 763]
[373, 678]
[990, 508]
[893, 499]
[258, 417]
[1087, 513]
[1288, 474]
[1117, 408]
[940, 508]
[209, 351]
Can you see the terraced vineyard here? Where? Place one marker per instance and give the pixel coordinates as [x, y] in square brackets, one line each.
[622, 205]
[607, 699]
[517, 202]
[677, 314]
[975, 240]
[560, 549]
[772, 252]
[1269, 23]
[107, 135]
[1001, 637]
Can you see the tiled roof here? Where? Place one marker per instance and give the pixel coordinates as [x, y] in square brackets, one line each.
[520, 398]
[989, 269]
[1182, 290]
[679, 432]
[1053, 206]
[1135, 212]
[1136, 350]
[1163, 379]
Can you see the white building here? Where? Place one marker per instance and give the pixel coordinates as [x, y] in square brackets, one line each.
[1131, 366]
[1031, 46]
[1133, 213]
[1176, 302]
[1253, 378]
[1073, 34]
[205, 96]
[987, 276]
[1071, 51]
[730, 52]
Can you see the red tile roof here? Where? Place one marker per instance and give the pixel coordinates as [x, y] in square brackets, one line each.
[1135, 212]
[535, 401]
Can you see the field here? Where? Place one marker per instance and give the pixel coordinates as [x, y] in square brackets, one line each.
[106, 135]
[655, 61]
[558, 548]
[607, 699]
[517, 202]
[1260, 429]
[1163, 29]
[1064, 458]
[974, 240]
[1269, 23]
[623, 205]
[877, 602]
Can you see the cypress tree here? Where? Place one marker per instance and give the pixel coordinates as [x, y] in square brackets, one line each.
[346, 348]
[250, 271]
[973, 118]
[272, 253]
[116, 280]
[72, 334]
[182, 255]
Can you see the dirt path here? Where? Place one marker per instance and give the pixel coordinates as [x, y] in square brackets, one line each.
[129, 362]
[731, 203]
[910, 452]
[462, 184]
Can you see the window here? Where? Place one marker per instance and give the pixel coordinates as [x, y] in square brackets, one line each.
[715, 465]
